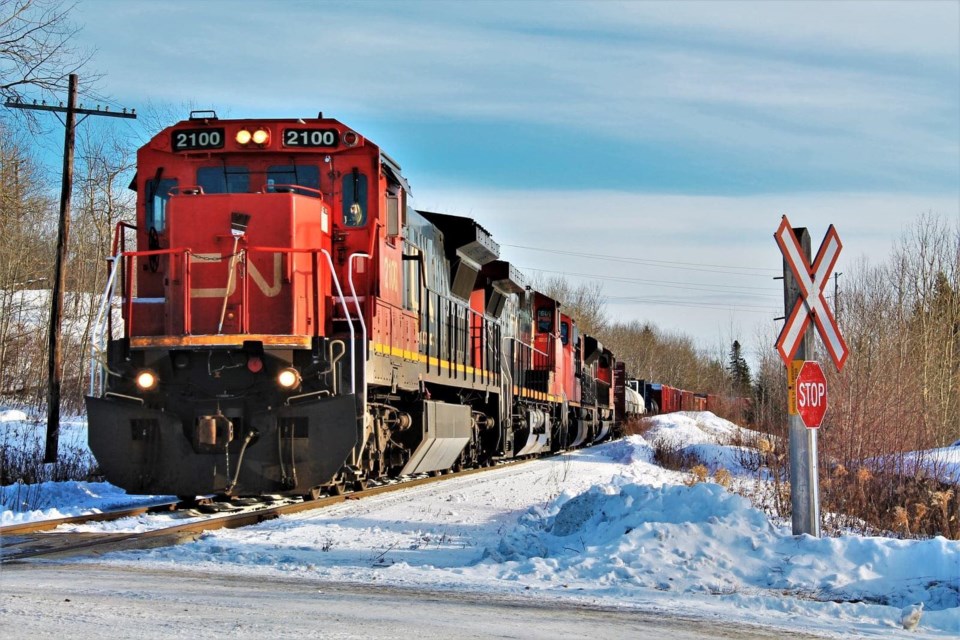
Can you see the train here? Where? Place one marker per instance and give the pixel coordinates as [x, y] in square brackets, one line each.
[292, 324]
[642, 397]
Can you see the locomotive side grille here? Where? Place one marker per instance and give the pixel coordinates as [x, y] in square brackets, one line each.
[538, 380]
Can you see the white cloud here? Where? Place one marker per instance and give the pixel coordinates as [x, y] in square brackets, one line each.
[832, 82]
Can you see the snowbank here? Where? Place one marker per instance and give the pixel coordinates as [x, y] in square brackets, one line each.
[701, 539]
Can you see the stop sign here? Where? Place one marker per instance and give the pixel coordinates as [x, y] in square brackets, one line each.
[811, 394]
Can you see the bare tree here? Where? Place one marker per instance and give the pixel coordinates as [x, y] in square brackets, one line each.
[584, 302]
[36, 47]
[104, 169]
[27, 216]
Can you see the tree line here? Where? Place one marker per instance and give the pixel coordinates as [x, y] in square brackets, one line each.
[900, 388]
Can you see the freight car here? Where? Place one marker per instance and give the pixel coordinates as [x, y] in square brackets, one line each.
[656, 398]
[292, 324]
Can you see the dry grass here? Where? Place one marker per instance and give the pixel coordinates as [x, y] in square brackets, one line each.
[863, 497]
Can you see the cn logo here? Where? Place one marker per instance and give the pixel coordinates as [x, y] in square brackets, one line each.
[268, 289]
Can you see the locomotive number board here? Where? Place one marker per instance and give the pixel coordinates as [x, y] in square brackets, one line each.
[197, 139]
[311, 137]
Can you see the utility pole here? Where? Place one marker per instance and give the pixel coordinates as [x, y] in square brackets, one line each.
[836, 294]
[54, 356]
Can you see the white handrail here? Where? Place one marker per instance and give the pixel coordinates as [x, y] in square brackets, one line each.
[346, 311]
[99, 327]
[363, 324]
[530, 346]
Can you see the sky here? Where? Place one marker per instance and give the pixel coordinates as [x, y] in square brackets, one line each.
[650, 147]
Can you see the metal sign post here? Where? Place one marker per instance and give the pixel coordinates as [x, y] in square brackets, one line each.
[803, 301]
[804, 481]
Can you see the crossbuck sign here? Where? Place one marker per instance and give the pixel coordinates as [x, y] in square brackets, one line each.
[811, 280]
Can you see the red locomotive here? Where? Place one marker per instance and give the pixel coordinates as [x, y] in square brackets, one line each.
[292, 324]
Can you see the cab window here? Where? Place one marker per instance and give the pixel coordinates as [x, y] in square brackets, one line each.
[354, 196]
[564, 333]
[544, 320]
[293, 174]
[158, 193]
[224, 179]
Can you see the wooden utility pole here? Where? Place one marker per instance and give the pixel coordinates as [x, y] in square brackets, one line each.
[54, 356]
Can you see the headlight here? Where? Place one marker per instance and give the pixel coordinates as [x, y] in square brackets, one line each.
[289, 378]
[244, 136]
[146, 380]
[261, 136]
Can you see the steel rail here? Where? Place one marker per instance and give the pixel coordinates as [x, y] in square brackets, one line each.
[104, 516]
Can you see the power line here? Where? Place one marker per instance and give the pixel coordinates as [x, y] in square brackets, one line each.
[748, 291]
[718, 306]
[666, 264]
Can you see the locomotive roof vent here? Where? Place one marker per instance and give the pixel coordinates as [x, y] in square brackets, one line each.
[592, 349]
[205, 114]
[464, 237]
[464, 272]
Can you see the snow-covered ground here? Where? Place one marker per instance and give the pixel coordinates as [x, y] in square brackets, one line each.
[603, 526]
[19, 502]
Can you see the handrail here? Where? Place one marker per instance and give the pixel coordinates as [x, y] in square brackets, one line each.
[99, 325]
[363, 324]
[188, 190]
[346, 312]
[274, 188]
[118, 236]
[128, 256]
[529, 346]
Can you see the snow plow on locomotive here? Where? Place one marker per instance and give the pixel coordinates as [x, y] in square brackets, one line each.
[291, 323]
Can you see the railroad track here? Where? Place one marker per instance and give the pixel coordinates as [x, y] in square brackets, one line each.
[35, 540]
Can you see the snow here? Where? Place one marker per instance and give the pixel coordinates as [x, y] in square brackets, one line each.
[708, 437]
[603, 526]
[943, 462]
[21, 437]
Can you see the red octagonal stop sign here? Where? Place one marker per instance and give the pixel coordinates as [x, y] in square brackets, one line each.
[811, 394]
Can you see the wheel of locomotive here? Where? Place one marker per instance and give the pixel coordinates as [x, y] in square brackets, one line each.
[336, 489]
[359, 485]
[313, 494]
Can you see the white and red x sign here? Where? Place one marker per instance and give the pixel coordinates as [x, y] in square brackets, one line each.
[811, 280]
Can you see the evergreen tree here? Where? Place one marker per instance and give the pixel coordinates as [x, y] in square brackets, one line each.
[739, 370]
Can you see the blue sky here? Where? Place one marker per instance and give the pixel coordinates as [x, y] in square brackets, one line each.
[672, 132]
